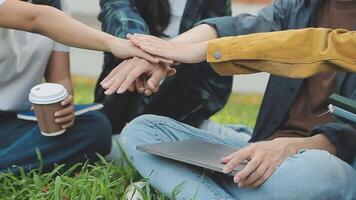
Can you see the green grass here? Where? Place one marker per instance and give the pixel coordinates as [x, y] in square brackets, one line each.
[104, 180]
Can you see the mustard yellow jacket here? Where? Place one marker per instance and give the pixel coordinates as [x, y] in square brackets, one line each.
[292, 53]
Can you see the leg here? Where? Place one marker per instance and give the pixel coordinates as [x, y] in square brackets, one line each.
[311, 174]
[165, 174]
[241, 134]
[91, 134]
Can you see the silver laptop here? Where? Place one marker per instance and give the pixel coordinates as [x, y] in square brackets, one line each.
[194, 152]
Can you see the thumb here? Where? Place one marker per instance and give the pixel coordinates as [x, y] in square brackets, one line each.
[139, 53]
[171, 71]
[156, 78]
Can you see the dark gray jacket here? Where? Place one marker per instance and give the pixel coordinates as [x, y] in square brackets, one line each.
[281, 92]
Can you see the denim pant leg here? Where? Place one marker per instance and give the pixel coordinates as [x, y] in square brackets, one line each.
[311, 174]
[164, 174]
[90, 134]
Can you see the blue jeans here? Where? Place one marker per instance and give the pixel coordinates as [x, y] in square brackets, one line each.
[310, 174]
[91, 134]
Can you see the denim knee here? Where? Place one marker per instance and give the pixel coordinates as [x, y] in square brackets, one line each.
[142, 126]
[312, 174]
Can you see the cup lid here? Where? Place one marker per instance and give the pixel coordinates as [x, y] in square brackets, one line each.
[47, 93]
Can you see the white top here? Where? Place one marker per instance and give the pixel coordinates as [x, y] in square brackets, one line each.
[1, 2]
[177, 11]
[23, 61]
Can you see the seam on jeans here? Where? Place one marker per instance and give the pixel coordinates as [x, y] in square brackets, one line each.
[156, 134]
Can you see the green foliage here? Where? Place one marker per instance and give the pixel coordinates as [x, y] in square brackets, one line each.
[105, 180]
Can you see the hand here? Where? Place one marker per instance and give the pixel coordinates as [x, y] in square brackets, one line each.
[136, 71]
[125, 49]
[141, 86]
[263, 159]
[65, 117]
[177, 51]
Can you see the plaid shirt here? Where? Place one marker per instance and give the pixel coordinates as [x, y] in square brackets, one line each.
[200, 91]
[53, 3]
[119, 17]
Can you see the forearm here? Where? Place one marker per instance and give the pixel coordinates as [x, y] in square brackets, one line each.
[52, 23]
[66, 82]
[58, 70]
[197, 34]
[319, 141]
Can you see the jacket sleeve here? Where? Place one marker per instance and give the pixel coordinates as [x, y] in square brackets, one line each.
[270, 18]
[120, 17]
[293, 53]
[342, 135]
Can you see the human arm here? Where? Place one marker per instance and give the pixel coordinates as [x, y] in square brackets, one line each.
[58, 71]
[293, 53]
[268, 19]
[62, 28]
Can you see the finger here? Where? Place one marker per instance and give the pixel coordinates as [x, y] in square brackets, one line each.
[120, 77]
[134, 41]
[156, 78]
[130, 78]
[165, 61]
[156, 89]
[227, 159]
[67, 125]
[65, 119]
[139, 53]
[251, 166]
[140, 85]
[67, 101]
[239, 156]
[257, 174]
[113, 72]
[264, 178]
[64, 112]
[107, 82]
[171, 72]
[132, 87]
[147, 91]
[148, 38]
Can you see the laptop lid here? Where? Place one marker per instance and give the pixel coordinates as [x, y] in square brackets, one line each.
[195, 152]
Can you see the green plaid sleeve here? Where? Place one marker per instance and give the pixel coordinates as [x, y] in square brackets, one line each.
[119, 17]
[218, 8]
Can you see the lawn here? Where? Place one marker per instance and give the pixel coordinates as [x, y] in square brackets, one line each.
[104, 180]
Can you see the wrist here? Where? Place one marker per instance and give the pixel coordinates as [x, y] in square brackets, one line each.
[290, 145]
[201, 49]
[109, 43]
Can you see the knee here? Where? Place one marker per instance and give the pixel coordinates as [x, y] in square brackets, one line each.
[140, 130]
[313, 174]
[141, 125]
[97, 127]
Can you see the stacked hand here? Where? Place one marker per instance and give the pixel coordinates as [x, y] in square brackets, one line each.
[151, 64]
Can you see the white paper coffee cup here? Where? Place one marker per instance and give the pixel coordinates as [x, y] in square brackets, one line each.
[46, 99]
